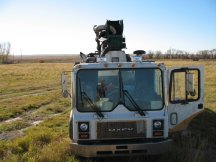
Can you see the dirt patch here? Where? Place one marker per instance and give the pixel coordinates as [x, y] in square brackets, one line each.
[11, 120]
[19, 133]
[11, 135]
[37, 122]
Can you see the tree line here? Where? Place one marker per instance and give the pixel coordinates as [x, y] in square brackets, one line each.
[179, 54]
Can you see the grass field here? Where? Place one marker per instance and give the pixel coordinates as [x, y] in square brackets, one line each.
[34, 117]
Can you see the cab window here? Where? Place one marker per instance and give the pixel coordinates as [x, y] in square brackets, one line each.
[184, 85]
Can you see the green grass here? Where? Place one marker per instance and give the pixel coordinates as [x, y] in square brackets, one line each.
[17, 106]
[45, 142]
[32, 91]
[25, 87]
[16, 125]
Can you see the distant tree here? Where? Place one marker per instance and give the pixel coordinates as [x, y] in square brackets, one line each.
[204, 54]
[158, 54]
[176, 54]
[168, 54]
[5, 49]
[150, 54]
[214, 53]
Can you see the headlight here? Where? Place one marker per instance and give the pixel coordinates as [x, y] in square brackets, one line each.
[158, 128]
[157, 124]
[83, 127]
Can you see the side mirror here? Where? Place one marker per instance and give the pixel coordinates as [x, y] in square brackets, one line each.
[190, 84]
[64, 77]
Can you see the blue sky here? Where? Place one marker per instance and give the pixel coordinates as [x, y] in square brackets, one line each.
[65, 26]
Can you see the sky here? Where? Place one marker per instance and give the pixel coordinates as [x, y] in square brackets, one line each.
[66, 26]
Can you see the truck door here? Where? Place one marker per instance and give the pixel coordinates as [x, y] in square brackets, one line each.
[186, 96]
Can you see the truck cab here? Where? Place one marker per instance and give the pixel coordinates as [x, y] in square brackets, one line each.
[124, 105]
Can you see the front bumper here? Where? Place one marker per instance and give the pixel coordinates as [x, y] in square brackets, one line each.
[105, 150]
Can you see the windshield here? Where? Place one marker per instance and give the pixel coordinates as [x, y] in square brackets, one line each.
[101, 86]
[144, 86]
[137, 89]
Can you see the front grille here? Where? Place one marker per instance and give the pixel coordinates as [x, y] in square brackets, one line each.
[125, 129]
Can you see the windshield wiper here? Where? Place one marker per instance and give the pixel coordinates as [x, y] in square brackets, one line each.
[93, 106]
[127, 94]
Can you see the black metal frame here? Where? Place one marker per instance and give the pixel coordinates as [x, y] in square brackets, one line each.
[186, 100]
[163, 97]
